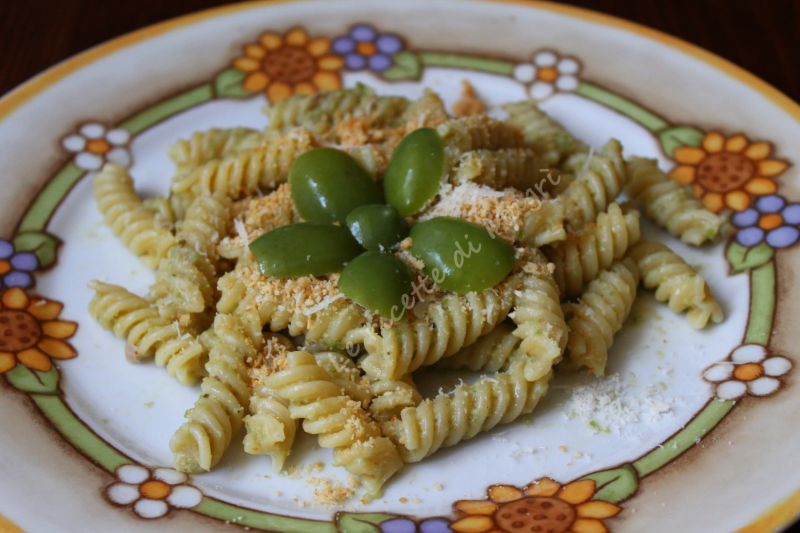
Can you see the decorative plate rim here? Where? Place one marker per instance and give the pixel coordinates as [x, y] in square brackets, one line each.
[24, 92]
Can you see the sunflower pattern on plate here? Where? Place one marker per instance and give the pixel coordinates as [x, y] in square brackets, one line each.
[283, 65]
[771, 219]
[95, 145]
[151, 494]
[30, 332]
[727, 172]
[750, 370]
[544, 506]
[547, 73]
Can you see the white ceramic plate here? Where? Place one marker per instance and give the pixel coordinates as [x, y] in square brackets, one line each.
[704, 448]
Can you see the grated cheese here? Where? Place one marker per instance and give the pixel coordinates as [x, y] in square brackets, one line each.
[607, 405]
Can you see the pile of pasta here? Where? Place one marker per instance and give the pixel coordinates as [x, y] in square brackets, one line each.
[273, 356]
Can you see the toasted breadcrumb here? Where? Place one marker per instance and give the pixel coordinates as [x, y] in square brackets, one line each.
[501, 212]
[469, 103]
[272, 359]
[329, 493]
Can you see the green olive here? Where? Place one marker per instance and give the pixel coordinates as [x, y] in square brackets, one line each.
[304, 249]
[461, 256]
[378, 281]
[377, 227]
[326, 184]
[415, 171]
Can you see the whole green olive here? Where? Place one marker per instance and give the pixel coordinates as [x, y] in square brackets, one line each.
[415, 171]
[378, 281]
[377, 227]
[461, 256]
[304, 249]
[326, 184]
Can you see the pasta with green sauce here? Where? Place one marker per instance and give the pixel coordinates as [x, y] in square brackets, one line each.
[282, 355]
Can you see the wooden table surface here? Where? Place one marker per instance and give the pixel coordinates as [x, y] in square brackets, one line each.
[763, 36]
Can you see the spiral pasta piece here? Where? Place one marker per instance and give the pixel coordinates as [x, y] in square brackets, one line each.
[246, 172]
[330, 326]
[427, 111]
[489, 354]
[585, 253]
[346, 375]
[668, 204]
[216, 143]
[133, 318]
[461, 135]
[455, 321]
[270, 427]
[391, 396]
[470, 409]
[551, 141]
[374, 158]
[599, 314]
[512, 167]
[199, 443]
[539, 318]
[318, 112]
[340, 422]
[130, 317]
[676, 282]
[599, 179]
[187, 276]
[139, 228]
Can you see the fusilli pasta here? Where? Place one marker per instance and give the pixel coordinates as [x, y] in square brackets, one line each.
[447, 325]
[599, 179]
[187, 276]
[668, 204]
[675, 281]
[216, 143]
[489, 354]
[317, 111]
[264, 167]
[460, 415]
[139, 228]
[580, 258]
[547, 137]
[340, 421]
[133, 318]
[599, 314]
[199, 443]
[270, 427]
[539, 319]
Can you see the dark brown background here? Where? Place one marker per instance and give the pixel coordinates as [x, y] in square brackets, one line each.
[763, 36]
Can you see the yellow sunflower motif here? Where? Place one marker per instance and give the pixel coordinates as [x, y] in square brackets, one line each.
[281, 66]
[727, 172]
[542, 507]
[30, 332]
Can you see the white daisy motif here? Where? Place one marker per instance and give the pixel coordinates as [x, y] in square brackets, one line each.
[547, 73]
[93, 145]
[151, 494]
[751, 370]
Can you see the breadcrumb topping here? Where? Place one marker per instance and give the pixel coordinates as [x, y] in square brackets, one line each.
[272, 359]
[469, 103]
[501, 212]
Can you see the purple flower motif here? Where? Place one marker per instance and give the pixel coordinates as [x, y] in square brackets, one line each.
[771, 219]
[15, 267]
[404, 525]
[363, 47]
